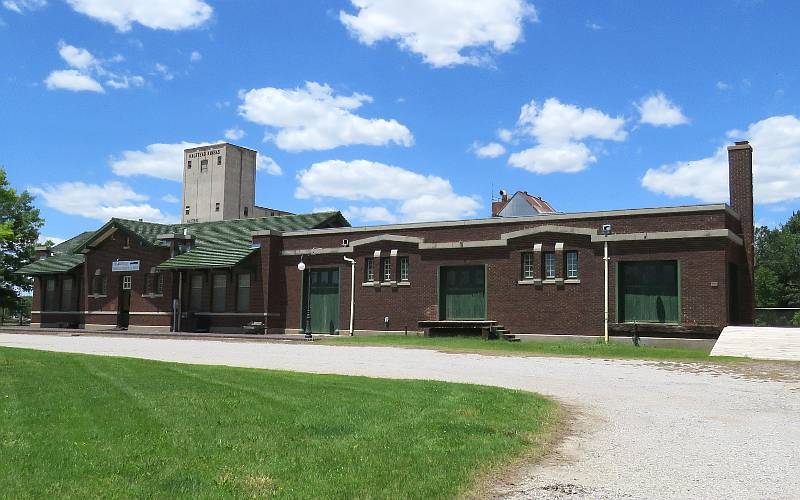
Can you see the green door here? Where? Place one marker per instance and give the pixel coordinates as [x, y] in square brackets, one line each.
[649, 292]
[324, 300]
[462, 293]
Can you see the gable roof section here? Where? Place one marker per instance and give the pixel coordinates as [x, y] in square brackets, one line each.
[226, 243]
[64, 258]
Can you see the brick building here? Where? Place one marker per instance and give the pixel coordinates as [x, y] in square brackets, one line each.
[675, 270]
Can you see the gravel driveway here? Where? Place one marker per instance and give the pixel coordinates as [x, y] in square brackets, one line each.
[641, 429]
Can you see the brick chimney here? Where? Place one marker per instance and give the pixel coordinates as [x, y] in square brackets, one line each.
[740, 175]
[497, 206]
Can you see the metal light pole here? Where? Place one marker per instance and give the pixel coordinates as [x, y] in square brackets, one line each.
[307, 330]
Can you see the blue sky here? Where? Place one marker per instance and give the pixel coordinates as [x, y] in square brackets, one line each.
[398, 111]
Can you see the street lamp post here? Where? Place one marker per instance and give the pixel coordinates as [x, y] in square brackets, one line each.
[307, 330]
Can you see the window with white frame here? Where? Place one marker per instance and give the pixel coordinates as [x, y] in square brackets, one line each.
[127, 282]
[369, 270]
[386, 267]
[572, 264]
[527, 265]
[204, 165]
[549, 265]
[402, 263]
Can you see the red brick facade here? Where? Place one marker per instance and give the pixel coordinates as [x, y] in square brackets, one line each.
[708, 243]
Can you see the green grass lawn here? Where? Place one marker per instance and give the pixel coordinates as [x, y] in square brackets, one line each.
[476, 344]
[86, 426]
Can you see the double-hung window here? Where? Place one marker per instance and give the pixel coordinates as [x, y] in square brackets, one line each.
[402, 263]
[243, 293]
[66, 294]
[127, 282]
[527, 265]
[196, 292]
[386, 267]
[204, 165]
[99, 283]
[220, 289]
[369, 270]
[572, 264]
[549, 265]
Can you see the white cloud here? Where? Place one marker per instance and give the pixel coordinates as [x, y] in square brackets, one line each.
[76, 57]
[443, 32]
[86, 69]
[155, 14]
[505, 135]
[594, 26]
[55, 239]
[21, 6]
[234, 134]
[317, 210]
[491, 150]
[659, 111]
[560, 130]
[312, 117]
[195, 56]
[723, 85]
[374, 214]
[568, 157]
[416, 197]
[124, 82]
[164, 71]
[776, 166]
[101, 202]
[268, 165]
[163, 161]
[169, 198]
[72, 79]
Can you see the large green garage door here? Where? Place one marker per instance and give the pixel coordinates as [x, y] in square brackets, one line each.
[462, 292]
[324, 301]
[649, 291]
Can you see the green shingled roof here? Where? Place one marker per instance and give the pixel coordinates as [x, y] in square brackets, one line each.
[64, 258]
[226, 243]
[216, 244]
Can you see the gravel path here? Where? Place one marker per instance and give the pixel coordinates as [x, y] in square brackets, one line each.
[641, 429]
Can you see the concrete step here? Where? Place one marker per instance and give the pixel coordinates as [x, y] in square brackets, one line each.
[510, 337]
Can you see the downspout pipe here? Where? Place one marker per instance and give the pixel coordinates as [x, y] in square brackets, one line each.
[605, 307]
[352, 290]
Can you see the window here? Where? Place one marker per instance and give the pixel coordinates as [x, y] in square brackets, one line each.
[196, 292]
[154, 284]
[127, 282]
[572, 264]
[386, 267]
[243, 293]
[369, 270]
[50, 295]
[66, 294]
[245, 211]
[204, 165]
[527, 265]
[99, 283]
[219, 160]
[187, 210]
[219, 290]
[127, 242]
[216, 208]
[549, 265]
[402, 263]
[189, 165]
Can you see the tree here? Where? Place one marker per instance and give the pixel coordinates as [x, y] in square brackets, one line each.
[19, 230]
[777, 273]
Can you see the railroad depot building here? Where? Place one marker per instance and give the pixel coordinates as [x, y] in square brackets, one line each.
[676, 270]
